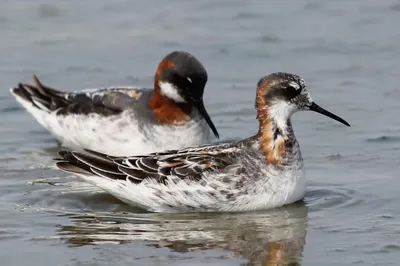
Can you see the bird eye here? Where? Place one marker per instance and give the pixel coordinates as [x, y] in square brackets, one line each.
[177, 79]
[292, 90]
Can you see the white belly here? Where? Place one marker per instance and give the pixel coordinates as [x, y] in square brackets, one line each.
[191, 195]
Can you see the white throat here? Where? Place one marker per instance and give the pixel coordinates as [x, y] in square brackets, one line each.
[280, 112]
[169, 90]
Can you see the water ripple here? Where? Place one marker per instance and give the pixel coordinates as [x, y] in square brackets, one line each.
[328, 196]
[384, 139]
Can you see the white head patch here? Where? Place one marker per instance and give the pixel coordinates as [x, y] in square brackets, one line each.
[169, 90]
[189, 79]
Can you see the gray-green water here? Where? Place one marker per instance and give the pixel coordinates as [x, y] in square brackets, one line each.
[348, 52]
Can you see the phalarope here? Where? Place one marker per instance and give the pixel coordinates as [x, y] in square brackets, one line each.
[260, 172]
[125, 120]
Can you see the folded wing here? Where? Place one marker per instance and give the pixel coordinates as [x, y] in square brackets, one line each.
[189, 163]
[108, 101]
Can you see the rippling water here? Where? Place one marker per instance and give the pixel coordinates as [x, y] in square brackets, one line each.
[348, 52]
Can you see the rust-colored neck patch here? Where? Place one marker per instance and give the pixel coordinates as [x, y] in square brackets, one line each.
[169, 112]
[164, 65]
[166, 110]
[272, 145]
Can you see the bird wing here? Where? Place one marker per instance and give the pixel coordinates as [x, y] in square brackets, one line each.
[105, 101]
[188, 163]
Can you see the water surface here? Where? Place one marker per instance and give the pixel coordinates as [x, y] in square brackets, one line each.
[347, 51]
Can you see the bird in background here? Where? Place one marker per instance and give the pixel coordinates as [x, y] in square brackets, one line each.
[128, 121]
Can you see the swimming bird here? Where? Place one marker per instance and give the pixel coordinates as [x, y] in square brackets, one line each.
[127, 121]
[257, 173]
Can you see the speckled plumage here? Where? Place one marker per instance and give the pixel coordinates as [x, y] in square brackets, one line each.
[260, 172]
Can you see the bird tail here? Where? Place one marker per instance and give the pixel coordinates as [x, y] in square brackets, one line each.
[39, 96]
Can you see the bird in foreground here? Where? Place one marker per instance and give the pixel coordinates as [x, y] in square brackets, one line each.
[257, 173]
[128, 121]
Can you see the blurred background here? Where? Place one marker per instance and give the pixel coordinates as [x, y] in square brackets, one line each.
[348, 53]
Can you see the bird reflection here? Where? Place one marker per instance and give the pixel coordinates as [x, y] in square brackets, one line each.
[276, 237]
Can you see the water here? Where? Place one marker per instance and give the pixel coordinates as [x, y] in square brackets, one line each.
[348, 52]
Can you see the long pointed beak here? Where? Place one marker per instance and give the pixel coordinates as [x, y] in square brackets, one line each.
[316, 108]
[200, 106]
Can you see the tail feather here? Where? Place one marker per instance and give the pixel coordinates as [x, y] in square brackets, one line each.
[21, 93]
[70, 168]
[46, 90]
[100, 163]
[88, 164]
[41, 103]
[69, 163]
[95, 170]
[41, 96]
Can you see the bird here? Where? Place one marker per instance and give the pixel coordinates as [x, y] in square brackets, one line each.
[128, 121]
[260, 172]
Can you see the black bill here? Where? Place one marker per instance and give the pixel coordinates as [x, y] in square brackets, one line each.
[316, 108]
[202, 110]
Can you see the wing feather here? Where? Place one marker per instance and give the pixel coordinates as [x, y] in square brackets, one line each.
[101, 173]
[192, 163]
[97, 162]
[106, 101]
